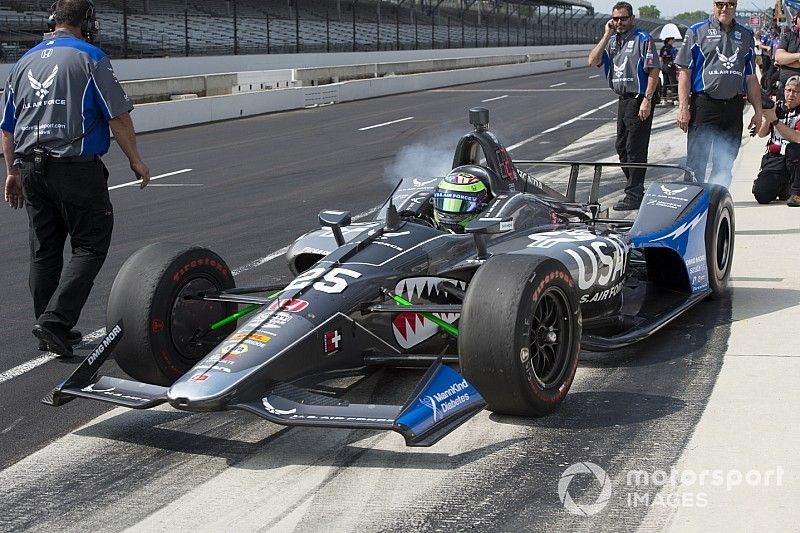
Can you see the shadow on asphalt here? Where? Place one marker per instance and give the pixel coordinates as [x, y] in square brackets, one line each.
[600, 409]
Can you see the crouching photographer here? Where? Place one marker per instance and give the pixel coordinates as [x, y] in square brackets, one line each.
[779, 176]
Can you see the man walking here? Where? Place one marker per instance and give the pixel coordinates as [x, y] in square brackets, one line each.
[631, 65]
[60, 99]
[717, 68]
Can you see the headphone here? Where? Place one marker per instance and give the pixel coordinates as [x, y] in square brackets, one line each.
[89, 24]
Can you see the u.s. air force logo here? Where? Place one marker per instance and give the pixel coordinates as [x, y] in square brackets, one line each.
[41, 88]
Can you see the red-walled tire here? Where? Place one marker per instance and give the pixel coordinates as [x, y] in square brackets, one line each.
[158, 322]
[519, 334]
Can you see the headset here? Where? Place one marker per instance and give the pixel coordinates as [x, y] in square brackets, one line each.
[89, 25]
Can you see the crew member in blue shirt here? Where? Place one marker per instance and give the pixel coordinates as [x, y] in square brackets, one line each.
[61, 98]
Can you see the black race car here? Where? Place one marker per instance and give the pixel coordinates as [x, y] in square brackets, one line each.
[534, 279]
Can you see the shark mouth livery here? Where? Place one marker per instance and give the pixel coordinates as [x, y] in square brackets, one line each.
[412, 329]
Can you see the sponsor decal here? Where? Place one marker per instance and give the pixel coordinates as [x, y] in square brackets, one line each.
[110, 392]
[441, 402]
[661, 203]
[728, 61]
[619, 71]
[672, 192]
[737, 35]
[506, 167]
[234, 348]
[332, 342]
[198, 377]
[252, 336]
[157, 325]
[423, 183]
[291, 305]
[508, 225]
[713, 32]
[195, 263]
[47, 52]
[116, 330]
[629, 48]
[600, 261]
[42, 88]
[602, 295]
[411, 329]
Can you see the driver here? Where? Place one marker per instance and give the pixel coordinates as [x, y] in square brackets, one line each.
[460, 197]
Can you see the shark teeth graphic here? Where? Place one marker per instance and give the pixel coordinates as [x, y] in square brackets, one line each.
[411, 329]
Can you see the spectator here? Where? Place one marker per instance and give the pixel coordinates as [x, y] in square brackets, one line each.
[779, 176]
[717, 67]
[787, 53]
[60, 99]
[631, 65]
[668, 54]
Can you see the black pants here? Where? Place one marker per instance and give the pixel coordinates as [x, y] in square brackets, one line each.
[715, 132]
[775, 178]
[633, 142]
[70, 199]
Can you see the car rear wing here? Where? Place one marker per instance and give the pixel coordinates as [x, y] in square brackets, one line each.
[575, 166]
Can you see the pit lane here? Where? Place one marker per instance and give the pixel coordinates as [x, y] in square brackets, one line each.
[636, 408]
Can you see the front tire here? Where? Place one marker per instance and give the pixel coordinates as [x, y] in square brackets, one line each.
[520, 332]
[158, 322]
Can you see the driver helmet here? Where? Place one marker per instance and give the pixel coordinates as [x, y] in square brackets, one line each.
[460, 196]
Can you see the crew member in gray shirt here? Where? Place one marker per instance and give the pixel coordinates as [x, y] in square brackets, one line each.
[60, 99]
[717, 66]
[631, 65]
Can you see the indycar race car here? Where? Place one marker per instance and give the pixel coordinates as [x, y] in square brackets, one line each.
[497, 314]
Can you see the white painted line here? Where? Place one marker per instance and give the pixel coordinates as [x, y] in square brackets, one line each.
[495, 98]
[175, 185]
[25, 367]
[385, 123]
[137, 182]
[558, 127]
[595, 76]
[558, 84]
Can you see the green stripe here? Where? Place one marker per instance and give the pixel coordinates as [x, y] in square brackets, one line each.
[473, 187]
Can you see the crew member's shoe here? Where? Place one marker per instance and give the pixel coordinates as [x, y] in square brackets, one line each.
[785, 192]
[54, 343]
[73, 337]
[793, 201]
[628, 204]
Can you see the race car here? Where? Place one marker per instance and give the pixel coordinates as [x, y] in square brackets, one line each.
[497, 313]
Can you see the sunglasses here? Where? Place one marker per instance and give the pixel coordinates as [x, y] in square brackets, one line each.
[723, 5]
[620, 19]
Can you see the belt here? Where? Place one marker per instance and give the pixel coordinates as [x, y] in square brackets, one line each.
[65, 160]
[705, 96]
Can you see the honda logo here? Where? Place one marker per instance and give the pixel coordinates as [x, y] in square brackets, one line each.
[47, 52]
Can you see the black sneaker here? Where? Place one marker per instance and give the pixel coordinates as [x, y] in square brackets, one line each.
[56, 344]
[73, 337]
[627, 204]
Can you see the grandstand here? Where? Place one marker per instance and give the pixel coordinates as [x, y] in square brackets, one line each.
[155, 28]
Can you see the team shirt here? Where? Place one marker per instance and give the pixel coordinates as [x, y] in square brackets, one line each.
[777, 144]
[720, 61]
[39, 98]
[625, 60]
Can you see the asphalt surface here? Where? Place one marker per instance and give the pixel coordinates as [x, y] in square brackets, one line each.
[255, 184]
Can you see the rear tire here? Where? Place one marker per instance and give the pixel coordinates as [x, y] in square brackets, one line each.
[157, 322]
[720, 235]
[520, 331]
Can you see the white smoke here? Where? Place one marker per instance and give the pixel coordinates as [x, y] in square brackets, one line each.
[723, 152]
[432, 157]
